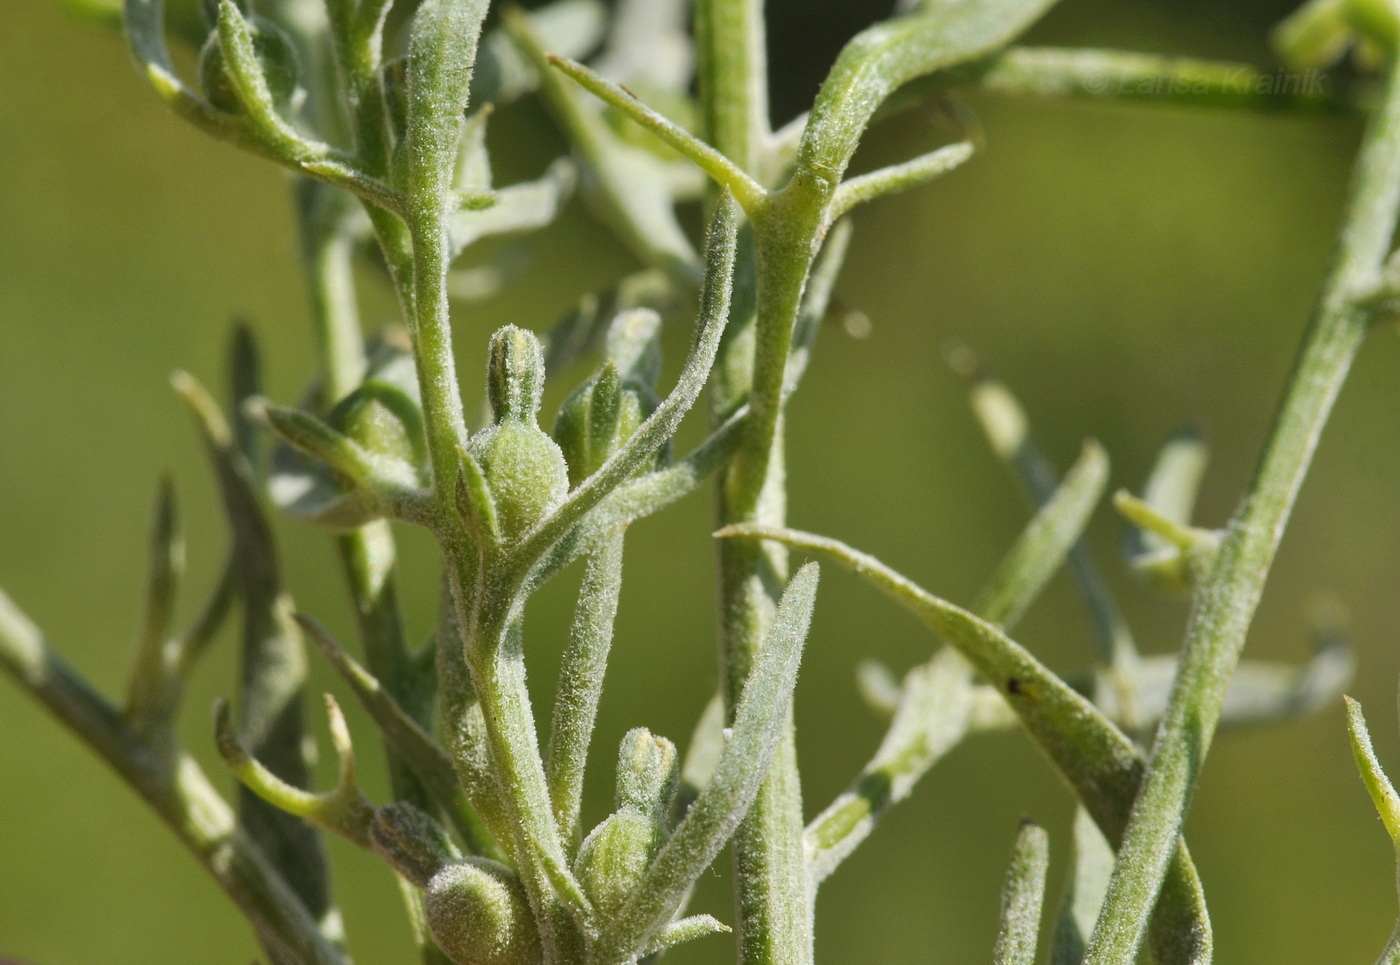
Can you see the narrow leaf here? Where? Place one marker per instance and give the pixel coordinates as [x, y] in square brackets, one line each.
[441, 53]
[1042, 547]
[273, 663]
[815, 301]
[882, 58]
[570, 28]
[150, 700]
[684, 930]
[410, 742]
[661, 425]
[629, 187]
[1372, 775]
[344, 810]
[245, 70]
[935, 706]
[1092, 755]
[900, 177]
[721, 169]
[580, 686]
[759, 719]
[1022, 897]
[643, 497]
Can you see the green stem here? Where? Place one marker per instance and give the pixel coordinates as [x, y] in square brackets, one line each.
[327, 256]
[1226, 599]
[177, 790]
[368, 554]
[773, 901]
[444, 421]
[733, 78]
[497, 665]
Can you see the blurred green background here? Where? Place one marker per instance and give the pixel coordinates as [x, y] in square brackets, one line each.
[1125, 270]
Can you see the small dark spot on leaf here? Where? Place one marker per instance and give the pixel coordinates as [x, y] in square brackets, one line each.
[628, 91]
[1015, 687]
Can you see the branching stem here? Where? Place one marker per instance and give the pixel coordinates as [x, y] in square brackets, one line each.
[1227, 596]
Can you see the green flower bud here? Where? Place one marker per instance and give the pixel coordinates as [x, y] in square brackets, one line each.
[515, 375]
[276, 53]
[410, 840]
[478, 915]
[595, 421]
[523, 466]
[614, 856]
[605, 411]
[385, 420]
[648, 771]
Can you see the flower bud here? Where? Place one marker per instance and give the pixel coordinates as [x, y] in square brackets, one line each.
[385, 420]
[648, 771]
[410, 840]
[515, 375]
[277, 55]
[614, 856]
[478, 915]
[595, 421]
[523, 466]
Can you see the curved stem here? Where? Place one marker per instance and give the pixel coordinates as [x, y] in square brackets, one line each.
[175, 788]
[1228, 595]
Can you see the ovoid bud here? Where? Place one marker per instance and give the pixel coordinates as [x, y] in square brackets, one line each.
[595, 421]
[523, 466]
[412, 842]
[648, 771]
[277, 55]
[605, 411]
[615, 855]
[478, 915]
[385, 420]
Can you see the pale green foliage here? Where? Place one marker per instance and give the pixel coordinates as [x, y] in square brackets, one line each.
[383, 121]
[1022, 897]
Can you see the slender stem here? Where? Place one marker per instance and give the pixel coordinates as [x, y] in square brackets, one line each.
[368, 554]
[497, 665]
[445, 423]
[175, 788]
[1226, 599]
[733, 79]
[773, 903]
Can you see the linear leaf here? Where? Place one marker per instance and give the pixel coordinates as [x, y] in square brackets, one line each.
[934, 707]
[1092, 755]
[661, 425]
[759, 719]
[1022, 897]
[580, 686]
[883, 57]
[273, 667]
[441, 53]
[410, 742]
